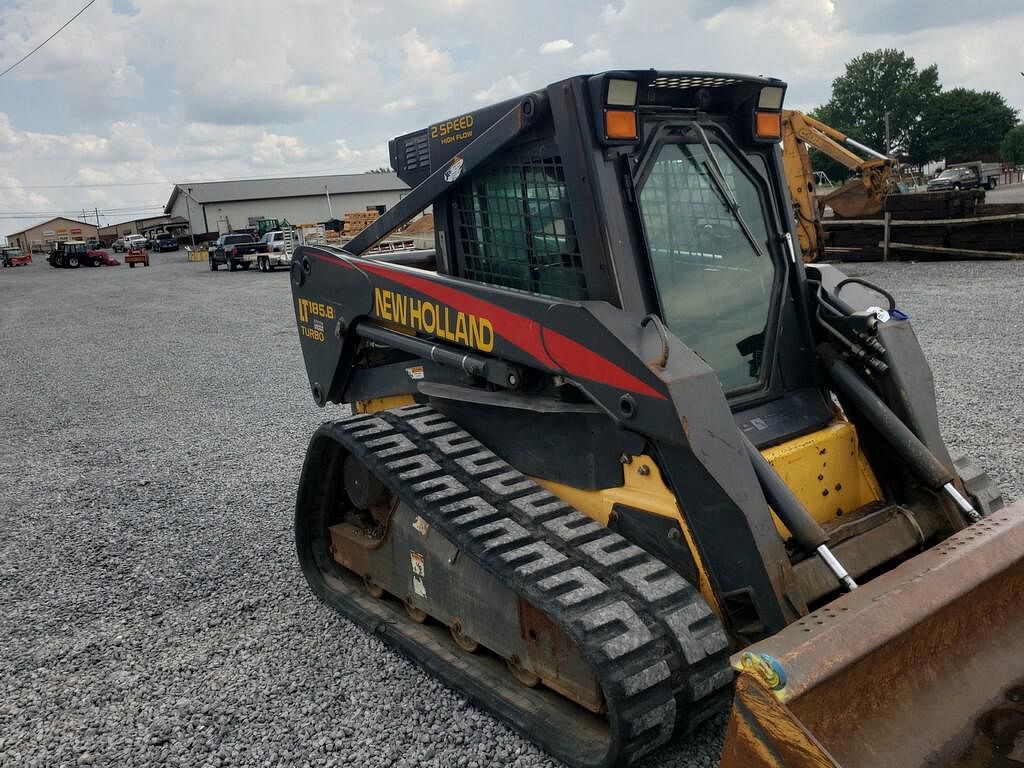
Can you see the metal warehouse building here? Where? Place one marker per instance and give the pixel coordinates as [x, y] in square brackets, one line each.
[220, 206]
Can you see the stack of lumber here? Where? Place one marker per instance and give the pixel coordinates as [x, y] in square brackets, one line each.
[938, 225]
[355, 222]
[424, 224]
[952, 204]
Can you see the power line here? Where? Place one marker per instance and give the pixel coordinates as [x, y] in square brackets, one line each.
[78, 215]
[304, 174]
[62, 27]
[118, 209]
[88, 186]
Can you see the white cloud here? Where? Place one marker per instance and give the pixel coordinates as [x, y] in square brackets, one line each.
[275, 151]
[595, 57]
[243, 91]
[505, 88]
[422, 59]
[556, 46]
[398, 105]
[344, 152]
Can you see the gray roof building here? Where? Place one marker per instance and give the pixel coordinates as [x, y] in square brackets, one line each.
[305, 186]
[222, 206]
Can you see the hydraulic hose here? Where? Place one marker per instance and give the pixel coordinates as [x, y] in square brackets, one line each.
[908, 446]
[788, 508]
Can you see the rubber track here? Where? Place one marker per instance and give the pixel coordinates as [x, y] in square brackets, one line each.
[660, 654]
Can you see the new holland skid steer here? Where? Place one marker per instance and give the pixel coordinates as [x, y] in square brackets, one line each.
[620, 460]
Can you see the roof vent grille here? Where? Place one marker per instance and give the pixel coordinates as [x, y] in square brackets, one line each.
[692, 81]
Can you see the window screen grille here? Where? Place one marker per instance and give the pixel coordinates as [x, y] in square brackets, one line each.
[515, 228]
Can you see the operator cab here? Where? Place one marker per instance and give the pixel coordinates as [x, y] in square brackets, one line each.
[674, 204]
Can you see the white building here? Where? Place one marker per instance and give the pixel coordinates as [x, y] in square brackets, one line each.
[220, 206]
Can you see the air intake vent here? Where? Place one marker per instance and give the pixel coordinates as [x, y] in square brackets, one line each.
[416, 152]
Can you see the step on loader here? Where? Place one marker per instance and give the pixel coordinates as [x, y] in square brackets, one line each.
[618, 460]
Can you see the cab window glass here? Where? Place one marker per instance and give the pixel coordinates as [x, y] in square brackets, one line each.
[716, 290]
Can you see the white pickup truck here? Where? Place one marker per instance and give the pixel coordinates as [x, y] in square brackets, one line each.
[276, 251]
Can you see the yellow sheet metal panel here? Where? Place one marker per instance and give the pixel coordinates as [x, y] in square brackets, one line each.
[763, 733]
[827, 471]
[643, 488]
[382, 403]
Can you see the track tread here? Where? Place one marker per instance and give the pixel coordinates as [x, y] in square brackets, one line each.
[659, 652]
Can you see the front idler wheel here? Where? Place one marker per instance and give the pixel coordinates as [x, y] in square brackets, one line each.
[416, 614]
[521, 673]
[374, 589]
[464, 641]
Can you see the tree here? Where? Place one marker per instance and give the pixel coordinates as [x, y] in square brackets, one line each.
[876, 82]
[1012, 147]
[962, 124]
[381, 169]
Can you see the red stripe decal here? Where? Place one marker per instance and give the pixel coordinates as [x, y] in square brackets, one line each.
[552, 349]
[580, 361]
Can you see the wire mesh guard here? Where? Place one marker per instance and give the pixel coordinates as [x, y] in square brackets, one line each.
[516, 230]
[715, 289]
[691, 81]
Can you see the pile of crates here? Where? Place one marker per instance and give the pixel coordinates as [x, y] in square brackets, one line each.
[355, 222]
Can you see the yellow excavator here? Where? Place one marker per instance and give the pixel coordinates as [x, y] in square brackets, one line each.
[862, 196]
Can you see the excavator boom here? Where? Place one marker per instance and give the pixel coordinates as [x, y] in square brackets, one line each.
[858, 197]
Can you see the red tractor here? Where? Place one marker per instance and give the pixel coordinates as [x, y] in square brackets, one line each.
[13, 257]
[75, 253]
[100, 258]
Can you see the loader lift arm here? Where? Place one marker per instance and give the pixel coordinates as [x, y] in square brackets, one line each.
[858, 197]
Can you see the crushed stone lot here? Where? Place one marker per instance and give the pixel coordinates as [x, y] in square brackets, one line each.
[153, 424]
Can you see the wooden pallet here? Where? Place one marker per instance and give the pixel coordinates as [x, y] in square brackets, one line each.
[354, 222]
[1001, 235]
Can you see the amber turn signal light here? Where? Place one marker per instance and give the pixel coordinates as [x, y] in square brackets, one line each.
[620, 124]
[768, 125]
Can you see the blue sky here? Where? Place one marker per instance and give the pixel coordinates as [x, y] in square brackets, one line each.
[138, 94]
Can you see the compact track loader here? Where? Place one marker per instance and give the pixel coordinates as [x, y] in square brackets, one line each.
[619, 460]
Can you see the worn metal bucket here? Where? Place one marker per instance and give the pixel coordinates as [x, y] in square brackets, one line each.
[853, 200]
[923, 666]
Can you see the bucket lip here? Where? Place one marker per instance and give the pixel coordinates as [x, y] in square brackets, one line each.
[819, 644]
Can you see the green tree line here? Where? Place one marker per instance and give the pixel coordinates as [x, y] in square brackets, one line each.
[925, 122]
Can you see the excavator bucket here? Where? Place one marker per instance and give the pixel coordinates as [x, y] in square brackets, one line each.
[853, 200]
[922, 666]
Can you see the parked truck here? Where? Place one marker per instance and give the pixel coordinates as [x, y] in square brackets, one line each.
[970, 175]
[234, 250]
[163, 241]
[277, 251]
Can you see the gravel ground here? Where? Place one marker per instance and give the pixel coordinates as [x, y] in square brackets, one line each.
[151, 611]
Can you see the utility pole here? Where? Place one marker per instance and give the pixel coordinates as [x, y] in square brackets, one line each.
[330, 211]
[97, 210]
[888, 143]
[191, 228]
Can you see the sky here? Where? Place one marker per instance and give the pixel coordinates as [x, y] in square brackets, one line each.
[136, 95]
